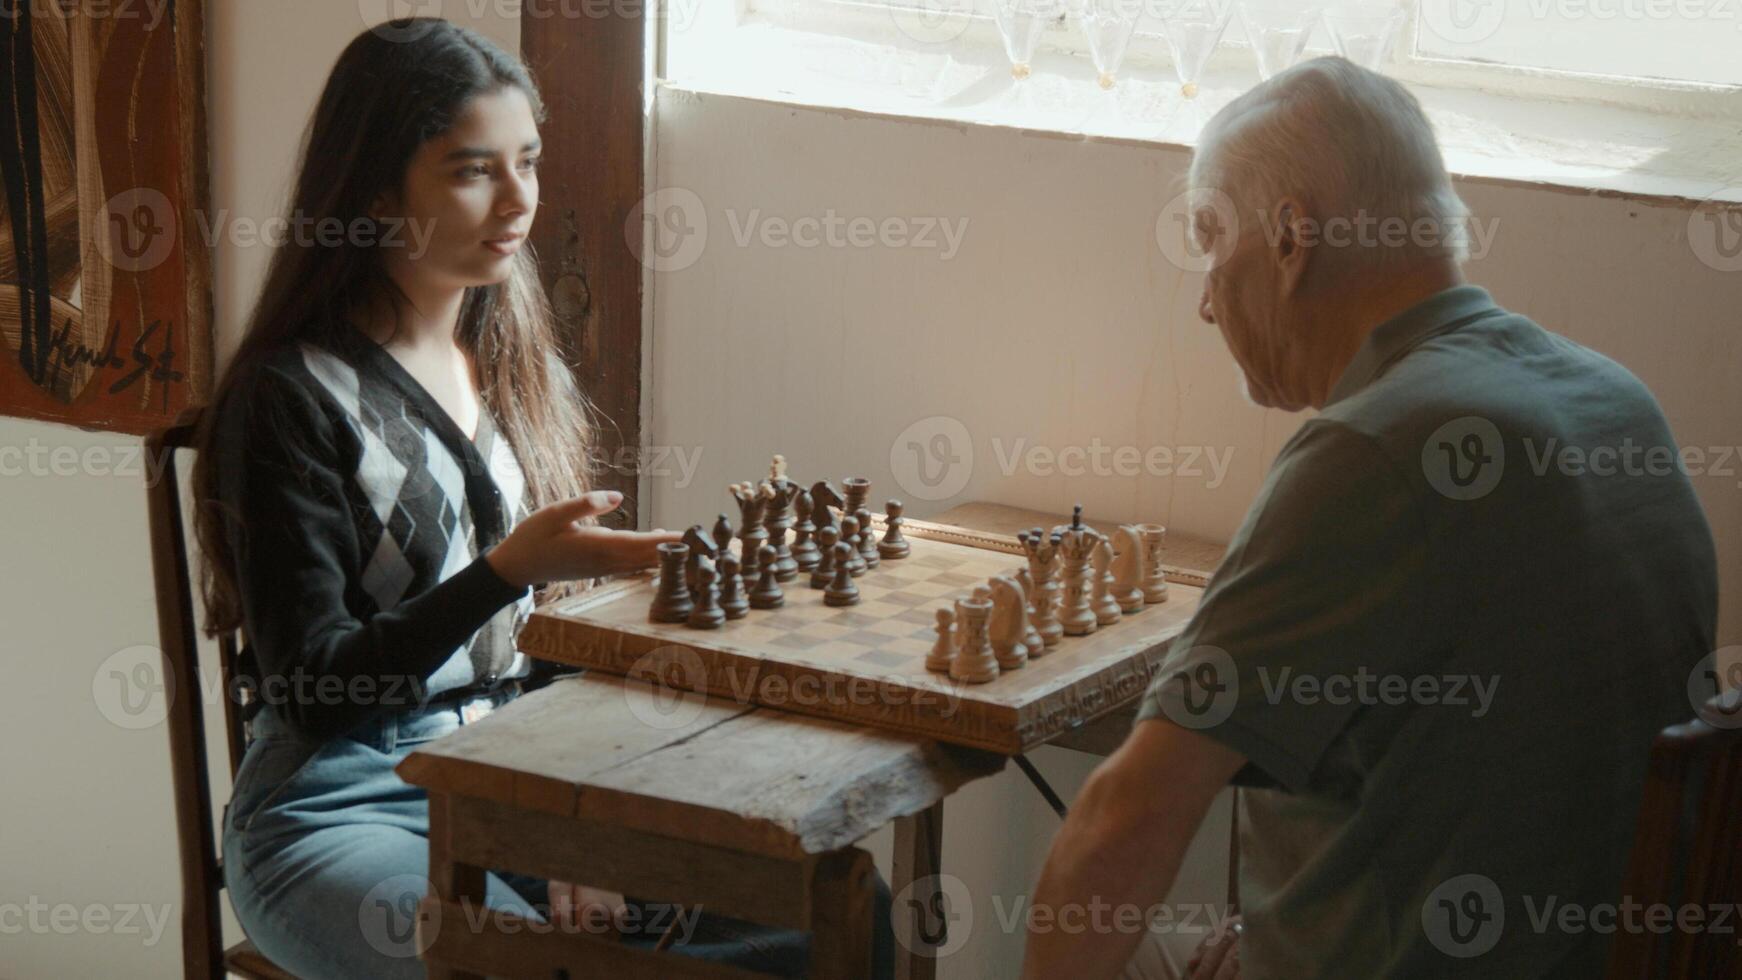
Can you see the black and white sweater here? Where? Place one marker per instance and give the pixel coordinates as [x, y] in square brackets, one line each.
[359, 515]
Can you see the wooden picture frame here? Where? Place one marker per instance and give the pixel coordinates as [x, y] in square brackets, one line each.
[105, 270]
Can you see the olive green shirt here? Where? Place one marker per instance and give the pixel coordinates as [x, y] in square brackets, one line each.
[1443, 639]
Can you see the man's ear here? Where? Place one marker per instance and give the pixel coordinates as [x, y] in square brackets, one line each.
[1296, 237]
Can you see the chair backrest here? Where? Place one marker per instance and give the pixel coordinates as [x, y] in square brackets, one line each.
[1687, 851]
[178, 633]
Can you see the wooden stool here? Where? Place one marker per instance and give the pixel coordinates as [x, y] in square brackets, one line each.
[745, 811]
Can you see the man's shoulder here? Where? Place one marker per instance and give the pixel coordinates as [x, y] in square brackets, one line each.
[1504, 374]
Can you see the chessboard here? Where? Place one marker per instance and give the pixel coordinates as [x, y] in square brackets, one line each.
[865, 663]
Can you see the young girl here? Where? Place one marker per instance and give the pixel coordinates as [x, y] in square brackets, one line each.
[395, 457]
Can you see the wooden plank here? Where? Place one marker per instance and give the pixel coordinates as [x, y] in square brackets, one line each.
[772, 782]
[724, 774]
[1189, 559]
[1101, 736]
[918, 857]
[536, 753]
[452, 880]
[865, 663]
[770, 890]
[842, 894]
[590, 71]
[504, 944]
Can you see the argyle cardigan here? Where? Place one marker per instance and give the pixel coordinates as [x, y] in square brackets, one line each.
[358, 516]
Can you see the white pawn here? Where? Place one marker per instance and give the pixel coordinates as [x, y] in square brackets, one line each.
[974, 663]
[943, 650]
[1106, 606]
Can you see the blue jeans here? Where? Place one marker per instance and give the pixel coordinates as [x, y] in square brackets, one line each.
[326, 854]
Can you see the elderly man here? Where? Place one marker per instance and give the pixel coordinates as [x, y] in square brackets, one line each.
[1444, 636]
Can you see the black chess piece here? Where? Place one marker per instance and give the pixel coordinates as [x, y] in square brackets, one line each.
[824, 573]
[672, 602]
[767, 594]
[850, 535]
[893, 545]
[842, 591]
[732, 600]
[700, 547]
[867, 539]
[804, 548]
[707, 614]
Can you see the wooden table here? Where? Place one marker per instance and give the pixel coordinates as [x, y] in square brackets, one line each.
[745, 810]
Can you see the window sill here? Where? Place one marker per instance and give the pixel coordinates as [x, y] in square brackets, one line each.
[1489, 136]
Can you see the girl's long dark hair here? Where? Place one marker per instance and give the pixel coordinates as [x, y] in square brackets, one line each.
[394, 88]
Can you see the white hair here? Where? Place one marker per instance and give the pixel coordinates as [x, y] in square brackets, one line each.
[1349, 143]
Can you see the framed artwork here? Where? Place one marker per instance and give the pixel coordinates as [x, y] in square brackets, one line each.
[105, 274]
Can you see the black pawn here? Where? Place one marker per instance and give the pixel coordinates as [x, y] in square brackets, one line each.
[707, 614]
[867, 539]
[824, 573]
[850, 536]
[732, 600]
[767, 594]
[804, 550]
[842, 591]
[893, 545]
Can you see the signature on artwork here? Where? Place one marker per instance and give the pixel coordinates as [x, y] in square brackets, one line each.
[66, 352]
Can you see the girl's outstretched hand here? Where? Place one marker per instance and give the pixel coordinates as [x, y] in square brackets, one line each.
[548, 546]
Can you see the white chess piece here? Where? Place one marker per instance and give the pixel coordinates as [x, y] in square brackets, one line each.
[1106, 607]
[1128, 568]
[1009, 623]
[975, 663]
[943, 650]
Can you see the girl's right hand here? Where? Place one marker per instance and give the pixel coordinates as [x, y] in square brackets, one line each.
[549, 546]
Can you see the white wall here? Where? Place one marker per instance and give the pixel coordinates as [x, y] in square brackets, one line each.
[1057, 321]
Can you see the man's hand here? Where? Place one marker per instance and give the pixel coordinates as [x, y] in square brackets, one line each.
[578, 907]
[1218, 956]
[1122, 845]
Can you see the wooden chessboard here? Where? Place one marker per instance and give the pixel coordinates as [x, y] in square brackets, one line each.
[865, 663]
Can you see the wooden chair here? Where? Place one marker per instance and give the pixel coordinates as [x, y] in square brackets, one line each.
[1687, 850]
[202, 876]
